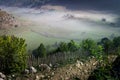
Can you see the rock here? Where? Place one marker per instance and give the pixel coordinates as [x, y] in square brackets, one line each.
[85, 71]
[93, 57]
[44, 67]
[50, 65]
[81, 63]
[77, 65]
[48, 77]
[33, 70]
[41, 76]
[56, 65]
[37, 77]
[26, 71]
[52, 73]
[67, 78]
[86, 65]
[70, 68]
[9, 77]
[94, 63]
[62, 78]
[2, 75]
[1, 79]
[13, 76]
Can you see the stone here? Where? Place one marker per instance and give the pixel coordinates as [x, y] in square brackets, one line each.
[85, 71]
[1, 79]
[37, 77]
[81, 63]
[44, 67]
[86, 65]
[50, 65]
[33, 70]
[56, 65]
[13, 75]
[41, 76]
[9, 77]
[77, 65]
[94, 63]
[52, 73]
[2, 75]
[67, 78]
[26, 71]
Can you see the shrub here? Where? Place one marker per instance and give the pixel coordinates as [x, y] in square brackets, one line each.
[12, 54]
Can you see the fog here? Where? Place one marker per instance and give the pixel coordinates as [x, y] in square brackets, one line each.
[51, 24]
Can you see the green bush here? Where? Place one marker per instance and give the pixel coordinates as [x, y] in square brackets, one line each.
[12, 54]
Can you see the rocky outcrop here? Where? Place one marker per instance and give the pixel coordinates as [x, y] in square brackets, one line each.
[7, 20]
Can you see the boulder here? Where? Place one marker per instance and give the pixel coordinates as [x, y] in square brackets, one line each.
[41, 76]
[33, 70]
[1, 79]
[50, 65]
[37, 77]
[44, 67]
[26, 71]
[2, 75]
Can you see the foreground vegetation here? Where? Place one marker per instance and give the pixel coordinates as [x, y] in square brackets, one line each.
[13, 57]
[12, 54]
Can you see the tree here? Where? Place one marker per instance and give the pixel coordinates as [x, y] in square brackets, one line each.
[63, 47]
[90, 47]
[107, 45]
[12, 54]
[72, 46]
[40, 51]
[116, 43]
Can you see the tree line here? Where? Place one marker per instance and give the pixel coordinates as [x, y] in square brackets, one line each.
[13, 54]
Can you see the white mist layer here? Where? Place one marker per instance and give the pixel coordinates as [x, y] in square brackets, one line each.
[49, 26]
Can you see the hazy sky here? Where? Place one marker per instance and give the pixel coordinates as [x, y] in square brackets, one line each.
[112, 5]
